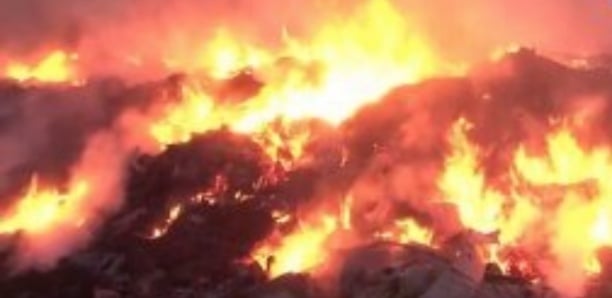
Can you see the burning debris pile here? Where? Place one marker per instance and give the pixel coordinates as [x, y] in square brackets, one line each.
[489, 185]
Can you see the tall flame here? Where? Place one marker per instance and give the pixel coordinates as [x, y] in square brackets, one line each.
[582, 224]
[567, 172]
[465, 186]
[347, 63]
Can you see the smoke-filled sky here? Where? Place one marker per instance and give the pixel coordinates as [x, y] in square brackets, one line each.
[570, 26]
[461, 27]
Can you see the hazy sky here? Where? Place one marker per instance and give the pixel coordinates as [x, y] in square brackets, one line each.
[561, 25]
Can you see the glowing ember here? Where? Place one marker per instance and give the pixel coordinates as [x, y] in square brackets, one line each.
[162, 229]
[346, 212]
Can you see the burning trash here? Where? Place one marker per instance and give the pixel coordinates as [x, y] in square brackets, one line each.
[358, 151]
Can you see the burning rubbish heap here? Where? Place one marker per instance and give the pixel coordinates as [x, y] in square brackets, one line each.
[488, 185]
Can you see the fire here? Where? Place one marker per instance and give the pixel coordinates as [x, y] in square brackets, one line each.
[560, 196]
[579, 174]
[55, 67]
[299, 251]
[346, 212]
[464, 185]
[406, 230]
[567, 163]
[583, 219]
[160, 230]
[567, 172]
[600, 232]
[348, 62]
[413, 232]
[284, 143]
[41, 210]
[224, 54]
[309, 246]
[195, 114]
[281, 217]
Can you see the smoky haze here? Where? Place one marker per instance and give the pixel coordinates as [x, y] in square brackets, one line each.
[569, 26]
[42, 130]
[61, 135]
[105, 32]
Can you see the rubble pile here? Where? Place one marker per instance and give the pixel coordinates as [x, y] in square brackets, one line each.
[227, 189]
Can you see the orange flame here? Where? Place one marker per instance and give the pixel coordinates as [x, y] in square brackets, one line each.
[55, 67]
[465, 186]
[43, 210]
[345, 212]
[407, 230]
[299, 251]
[577, 177]
[346, 64]
[582, 224]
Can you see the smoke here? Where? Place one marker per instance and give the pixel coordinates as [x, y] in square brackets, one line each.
[477, 28]
[139, 37]
[400, 179]
[510, 104]
[77, 142]
[44, 129]
[102, 169]
[68, 134]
